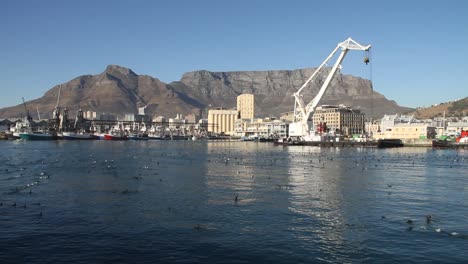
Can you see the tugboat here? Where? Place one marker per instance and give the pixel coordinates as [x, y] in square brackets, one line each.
[441, 143]
[389, 143]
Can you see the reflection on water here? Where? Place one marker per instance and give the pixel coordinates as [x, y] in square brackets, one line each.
[176, 201]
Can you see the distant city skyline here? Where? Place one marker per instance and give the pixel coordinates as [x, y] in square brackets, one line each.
[418, 54]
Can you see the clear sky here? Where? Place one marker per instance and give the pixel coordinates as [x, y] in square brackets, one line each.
[420, 48]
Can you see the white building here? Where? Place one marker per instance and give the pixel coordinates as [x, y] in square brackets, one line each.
[455, 128]
[389, 121]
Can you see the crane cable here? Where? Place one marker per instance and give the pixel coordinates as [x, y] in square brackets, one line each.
[368, 59]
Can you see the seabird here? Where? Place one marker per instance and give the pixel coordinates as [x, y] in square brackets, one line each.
[428, 218]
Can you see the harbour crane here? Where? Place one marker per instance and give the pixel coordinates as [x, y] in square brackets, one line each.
[28, 116]
[300, 127]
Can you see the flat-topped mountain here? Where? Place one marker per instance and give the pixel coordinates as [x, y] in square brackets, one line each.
[119, 90]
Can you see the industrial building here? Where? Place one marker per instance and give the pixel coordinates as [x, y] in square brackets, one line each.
[222, 121]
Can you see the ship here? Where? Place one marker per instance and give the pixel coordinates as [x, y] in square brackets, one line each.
[390, 143]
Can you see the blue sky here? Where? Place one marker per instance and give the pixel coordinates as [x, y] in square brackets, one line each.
[419, 53]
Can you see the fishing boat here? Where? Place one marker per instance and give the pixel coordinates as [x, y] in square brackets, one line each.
[116, 133]
[78, 136]
[157, 133]
[288, 142]
[21, 126]
[38, 135]
[138, 137]
[155, 137]
[115, 136]
[179, 137]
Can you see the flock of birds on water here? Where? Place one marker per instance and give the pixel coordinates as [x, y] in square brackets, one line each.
[236, 162]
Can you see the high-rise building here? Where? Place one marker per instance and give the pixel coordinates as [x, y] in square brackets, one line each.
[245, 106]
[221, 120]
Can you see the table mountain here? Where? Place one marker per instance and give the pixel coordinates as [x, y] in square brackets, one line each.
[119, 90]
[273, 90]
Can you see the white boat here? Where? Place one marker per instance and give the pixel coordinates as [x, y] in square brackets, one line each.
[78, 136]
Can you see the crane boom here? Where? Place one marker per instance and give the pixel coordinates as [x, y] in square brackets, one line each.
[302, 112]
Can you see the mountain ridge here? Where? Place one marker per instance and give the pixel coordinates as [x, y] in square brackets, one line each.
[120, 90]
[456, 108]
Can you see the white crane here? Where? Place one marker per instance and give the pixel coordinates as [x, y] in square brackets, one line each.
[299, 128]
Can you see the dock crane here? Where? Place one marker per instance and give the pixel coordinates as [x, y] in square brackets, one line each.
[300, 128]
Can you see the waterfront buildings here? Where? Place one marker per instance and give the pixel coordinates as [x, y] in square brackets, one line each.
[245, 106]
[159, 119]
[91, 115]
[454, 128]
[222, 121]
[372, 128]
[408, 131]
[388, 121]
[339, 119]
[190, 118]
[261, 128]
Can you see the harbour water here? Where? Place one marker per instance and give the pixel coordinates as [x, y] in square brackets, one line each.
[175, 201]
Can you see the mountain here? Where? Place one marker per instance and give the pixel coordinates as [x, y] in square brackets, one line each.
[273, 90]
[119, 90]
[458, 108]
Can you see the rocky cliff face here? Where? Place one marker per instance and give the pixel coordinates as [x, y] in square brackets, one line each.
[273, 90]
[119, 90]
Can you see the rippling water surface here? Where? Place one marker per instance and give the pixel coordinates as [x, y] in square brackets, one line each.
[154, 202]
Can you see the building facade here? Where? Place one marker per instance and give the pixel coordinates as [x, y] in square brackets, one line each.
[388, 121]
[340, 119]
[455, 128]
[408, 131]
[261, 128]
[245, 106]
[221, 121]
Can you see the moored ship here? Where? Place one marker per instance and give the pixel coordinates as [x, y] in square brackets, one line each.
[38, 135]
[389, 143]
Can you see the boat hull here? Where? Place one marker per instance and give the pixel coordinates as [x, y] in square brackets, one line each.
[34, 136]
[75, 136]
[138, 138]
[12, 136]
[112, 137]
[389, 143]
